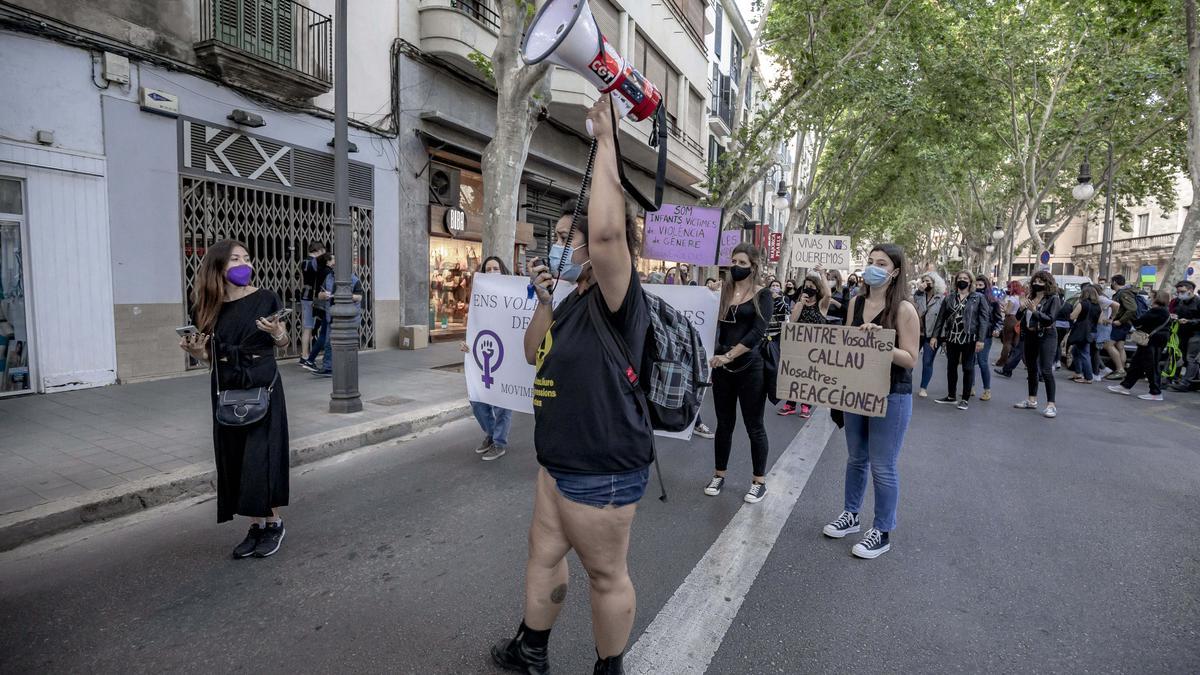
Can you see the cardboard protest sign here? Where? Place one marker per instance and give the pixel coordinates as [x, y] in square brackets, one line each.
[495, 366]
[810, 250]
[729, 241]
[836, 366]
[686, 234]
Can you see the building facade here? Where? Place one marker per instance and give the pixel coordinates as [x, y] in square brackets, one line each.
[1142, 250]
[133, 138]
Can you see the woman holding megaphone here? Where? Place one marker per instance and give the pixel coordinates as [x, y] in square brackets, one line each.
[594, 442]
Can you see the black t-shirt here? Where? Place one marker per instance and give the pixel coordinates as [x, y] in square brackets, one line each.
[308, 272]
[745, 324]
[586, 417]
[1190, 310]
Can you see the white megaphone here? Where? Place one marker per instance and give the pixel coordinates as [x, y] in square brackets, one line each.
[565, 33]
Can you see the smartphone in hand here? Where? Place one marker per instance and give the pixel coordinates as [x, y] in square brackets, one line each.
[281, 314]
[184, 331]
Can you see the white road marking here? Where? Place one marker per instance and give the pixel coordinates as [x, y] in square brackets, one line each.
[686, 634]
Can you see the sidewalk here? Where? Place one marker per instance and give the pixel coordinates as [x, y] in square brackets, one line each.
[77, 457]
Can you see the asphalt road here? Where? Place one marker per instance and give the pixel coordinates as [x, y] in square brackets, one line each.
[1024, 545]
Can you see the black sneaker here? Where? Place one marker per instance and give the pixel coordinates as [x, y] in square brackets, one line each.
[756, 493]
[610, 666]
[515, 655]
[962, 405]
[1001, 372]
[948, 399]
[703, 431]
[484, 446]
[310, 366]
[272, 537]
[246, 548]
[494, 452]
[872, 546]
[714, 486]
[847, 523]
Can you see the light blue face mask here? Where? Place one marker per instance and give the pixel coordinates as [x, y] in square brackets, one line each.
[560, 258]
[875, 276]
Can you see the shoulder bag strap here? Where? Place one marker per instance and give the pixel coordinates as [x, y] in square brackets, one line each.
[615, 345]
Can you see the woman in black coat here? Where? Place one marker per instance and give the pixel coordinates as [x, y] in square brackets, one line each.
[1038, 313]
[962, 326]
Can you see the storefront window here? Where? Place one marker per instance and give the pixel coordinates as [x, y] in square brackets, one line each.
[452, 264]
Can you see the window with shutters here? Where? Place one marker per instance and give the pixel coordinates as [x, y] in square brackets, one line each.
[290, 45]
[717, 30]
[735, 60]
[658, 71]
[695, 115]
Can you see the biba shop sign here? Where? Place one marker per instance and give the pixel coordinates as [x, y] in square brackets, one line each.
[455, 221]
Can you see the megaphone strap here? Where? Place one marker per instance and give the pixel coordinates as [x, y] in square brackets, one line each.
[658, 138]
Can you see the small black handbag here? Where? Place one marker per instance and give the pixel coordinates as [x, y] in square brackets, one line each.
[241, 407]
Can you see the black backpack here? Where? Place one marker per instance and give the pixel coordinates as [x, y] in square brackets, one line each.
[674, 358]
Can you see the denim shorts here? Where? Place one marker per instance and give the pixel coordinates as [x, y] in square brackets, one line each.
[306, 314]
[602, 489]
[1119, 333]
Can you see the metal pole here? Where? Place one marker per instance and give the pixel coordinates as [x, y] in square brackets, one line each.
[1106, 242]
[344, 332]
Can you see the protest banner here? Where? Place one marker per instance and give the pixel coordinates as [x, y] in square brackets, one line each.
[685, 234]
[729, 241]
[495, 366]
[810, 250]
[836, 366]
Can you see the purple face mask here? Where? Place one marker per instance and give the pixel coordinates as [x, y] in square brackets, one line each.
[239, 275]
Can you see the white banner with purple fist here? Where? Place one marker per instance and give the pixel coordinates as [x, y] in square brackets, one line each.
[501, 308]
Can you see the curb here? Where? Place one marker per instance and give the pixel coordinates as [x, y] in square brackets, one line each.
[64, 514]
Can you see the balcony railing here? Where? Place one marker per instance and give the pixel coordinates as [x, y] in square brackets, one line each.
[480, 11]
[282, 32]
[683, 138]
[1130, 244]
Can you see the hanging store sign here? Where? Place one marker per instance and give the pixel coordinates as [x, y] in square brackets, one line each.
[455, 221]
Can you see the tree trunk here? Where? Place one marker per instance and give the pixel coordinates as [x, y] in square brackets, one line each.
[521, 93]
[1185, 247]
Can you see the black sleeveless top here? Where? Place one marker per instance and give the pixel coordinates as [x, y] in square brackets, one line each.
[901, 377]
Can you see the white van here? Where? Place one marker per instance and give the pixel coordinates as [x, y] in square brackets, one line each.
[1072, 285]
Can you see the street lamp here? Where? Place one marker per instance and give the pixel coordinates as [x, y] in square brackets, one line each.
[344, 315]
[1084, 190]
[781, 196]
[990, 249]
[998, 233]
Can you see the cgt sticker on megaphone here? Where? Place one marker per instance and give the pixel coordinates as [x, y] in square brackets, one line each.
[565, 33]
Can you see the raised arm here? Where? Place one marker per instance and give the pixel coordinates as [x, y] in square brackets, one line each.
[608, 249]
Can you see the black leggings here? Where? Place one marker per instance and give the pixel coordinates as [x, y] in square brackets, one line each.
[960, 356]
[730, 389]
[1144, 364]
[1039, 360]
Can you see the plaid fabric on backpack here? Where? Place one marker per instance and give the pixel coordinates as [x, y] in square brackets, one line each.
[674, 369]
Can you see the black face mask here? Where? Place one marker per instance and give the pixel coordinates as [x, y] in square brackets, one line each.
[1038, 288]
[810, 292]
[962, 285]
[739, 273]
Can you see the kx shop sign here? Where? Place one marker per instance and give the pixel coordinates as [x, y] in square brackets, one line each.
[227, 151]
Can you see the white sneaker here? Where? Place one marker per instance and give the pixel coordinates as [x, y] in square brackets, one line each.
[845, 524]
[758, 491]
[714, 486]
[1103, 372]
[1050, 412]
[1118, 389]
[1151, 397]
[922, 394]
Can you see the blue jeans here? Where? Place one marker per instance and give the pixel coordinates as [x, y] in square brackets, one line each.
[1082, 359]
[873, 445]
[984, 367]
[601, 490]
[494, 421]
[927, 355]
[320, 345]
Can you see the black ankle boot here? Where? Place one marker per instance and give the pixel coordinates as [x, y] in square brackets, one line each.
[518, 656]
[610, 666]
